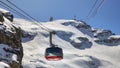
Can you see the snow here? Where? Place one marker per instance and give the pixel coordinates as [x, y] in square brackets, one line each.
[4, 65]
[96, 56]
[8, 57]
[3, 10]
[115, 36]
[8, 26]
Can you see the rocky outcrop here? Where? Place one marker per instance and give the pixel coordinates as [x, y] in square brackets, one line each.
[81, 43]
[102, 34]
[112, 41]
[11, 51]
[83, 25]
[77, 24]
[105, 37]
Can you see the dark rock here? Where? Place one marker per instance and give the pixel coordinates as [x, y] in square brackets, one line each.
[82, 44]
[13, 40]
[110, 41]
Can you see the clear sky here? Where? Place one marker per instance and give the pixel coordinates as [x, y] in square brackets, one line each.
[108, 17]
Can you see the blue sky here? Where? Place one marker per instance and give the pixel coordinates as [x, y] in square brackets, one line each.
[108, 17]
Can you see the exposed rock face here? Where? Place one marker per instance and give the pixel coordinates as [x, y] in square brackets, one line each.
[102, 34]
[83, 25]
[10, 44]
[110, 41]
[81, 43]
[105, 37]
[11, 50]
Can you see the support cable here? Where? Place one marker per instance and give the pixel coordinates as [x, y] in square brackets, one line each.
[91, 10]
[96, 10]
[21, 10]
[30, 17]
[12, 9]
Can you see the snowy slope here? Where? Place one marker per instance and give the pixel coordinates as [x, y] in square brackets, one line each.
[78, 43]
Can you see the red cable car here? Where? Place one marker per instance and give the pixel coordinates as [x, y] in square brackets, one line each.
[53, 53]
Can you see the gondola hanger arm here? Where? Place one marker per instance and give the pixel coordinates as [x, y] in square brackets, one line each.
[52, 33]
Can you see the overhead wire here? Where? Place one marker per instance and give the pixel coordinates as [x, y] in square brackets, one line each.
[21, 10]
[34, 20]
[25, 15]
[98, 8]
[93, 12]
[12, 10]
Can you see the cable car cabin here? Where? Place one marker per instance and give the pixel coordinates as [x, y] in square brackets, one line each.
[54, 53]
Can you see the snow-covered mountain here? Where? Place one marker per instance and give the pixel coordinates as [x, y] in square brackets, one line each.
[83, 46]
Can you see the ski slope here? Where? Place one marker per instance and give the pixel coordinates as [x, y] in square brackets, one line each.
[92, 56]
